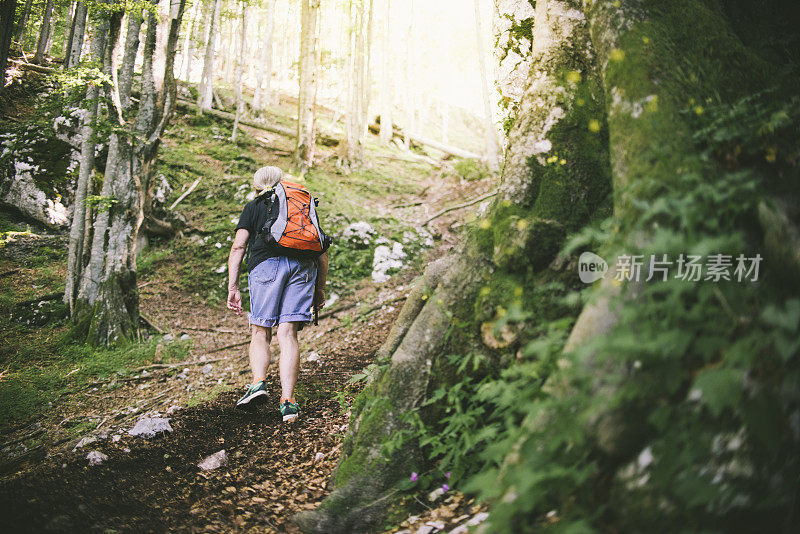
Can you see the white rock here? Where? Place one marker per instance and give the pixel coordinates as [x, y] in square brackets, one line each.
[207, 368]
[460, 529]
[435, 494]
[437, 525]
[312, 357]
[96, 458]
[360, 232]
[85, 441]
[218, 459]
[184, 337]
[168, 338]
[386, 258]
[115, 438]
[425, 529]
[148, 427]
[319, 456]
[477, 519]
[173, 408]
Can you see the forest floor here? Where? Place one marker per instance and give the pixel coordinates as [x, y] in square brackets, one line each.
[195, 370]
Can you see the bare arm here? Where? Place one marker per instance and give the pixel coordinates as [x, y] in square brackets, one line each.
[234, 261]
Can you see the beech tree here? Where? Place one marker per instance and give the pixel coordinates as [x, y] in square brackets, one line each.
[206, 88]
[76, 32]
[240, 70]
[44, 33]
[102, 293]
[351, 153]
[263, 92]
[307, 99]
[607, 121]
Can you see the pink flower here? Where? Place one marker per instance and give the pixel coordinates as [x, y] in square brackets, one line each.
[414, 477]
[447, 475]
[445, 487]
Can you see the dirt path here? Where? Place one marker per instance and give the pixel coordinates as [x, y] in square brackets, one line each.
[274, 469]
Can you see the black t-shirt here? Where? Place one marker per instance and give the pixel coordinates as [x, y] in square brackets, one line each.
[253, 217]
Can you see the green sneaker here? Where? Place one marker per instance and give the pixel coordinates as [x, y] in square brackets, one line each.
[255, 394]
[289, 410]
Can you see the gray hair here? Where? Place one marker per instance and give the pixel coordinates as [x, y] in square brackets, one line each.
[266, 178]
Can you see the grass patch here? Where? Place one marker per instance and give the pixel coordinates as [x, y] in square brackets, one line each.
[45, 371]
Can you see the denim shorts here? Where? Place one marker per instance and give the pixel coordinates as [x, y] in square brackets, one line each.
[281, 291]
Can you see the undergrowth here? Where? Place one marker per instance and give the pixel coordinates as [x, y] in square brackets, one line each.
[695, 424]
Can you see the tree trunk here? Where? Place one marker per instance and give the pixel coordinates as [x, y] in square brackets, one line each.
[22, 25]
[76, 33]
[265, 61]
[188, 43]
[113, 315]
[44, 33]
[95, 268]
[240, 73]
[206, 88]
[78, 228]
[490, 130]
[520, 238]
[7, 9]
[306, 113]
[68, 29]
[408, 112]
[351, 155]
[386, 77]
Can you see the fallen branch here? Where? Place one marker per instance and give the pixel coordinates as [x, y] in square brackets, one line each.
[408, 205]
[36, 68]
[220, 330]
[464, 205]
[147, 320]
[280, 130]
[336, 310]
[185, 194]
[232, 345]
[20, 439]
[172, 365]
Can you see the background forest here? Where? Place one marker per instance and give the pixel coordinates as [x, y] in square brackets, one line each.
[469, 156]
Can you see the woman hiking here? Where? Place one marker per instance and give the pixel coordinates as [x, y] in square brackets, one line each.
[283, 287]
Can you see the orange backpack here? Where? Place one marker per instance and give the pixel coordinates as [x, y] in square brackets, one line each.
[292, 227]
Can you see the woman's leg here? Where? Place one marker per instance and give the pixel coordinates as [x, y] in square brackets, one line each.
[290, 359]
[259, 351]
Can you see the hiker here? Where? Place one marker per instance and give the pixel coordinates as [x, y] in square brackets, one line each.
[284, 283]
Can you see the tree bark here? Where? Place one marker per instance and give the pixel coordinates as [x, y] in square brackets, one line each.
[206, 88]
[264, 94]
[490, 130]
[76, 33]
[44, 33]
[94, 272]
[528, 212]
[78, 228]
[306, 113]
[7, 10]
[240, 72]
[351, 155]
[113, 315]
[188, 44]
[21, 31]
[386, 77]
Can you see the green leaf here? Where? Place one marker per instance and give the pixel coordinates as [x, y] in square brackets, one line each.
[721, 388]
